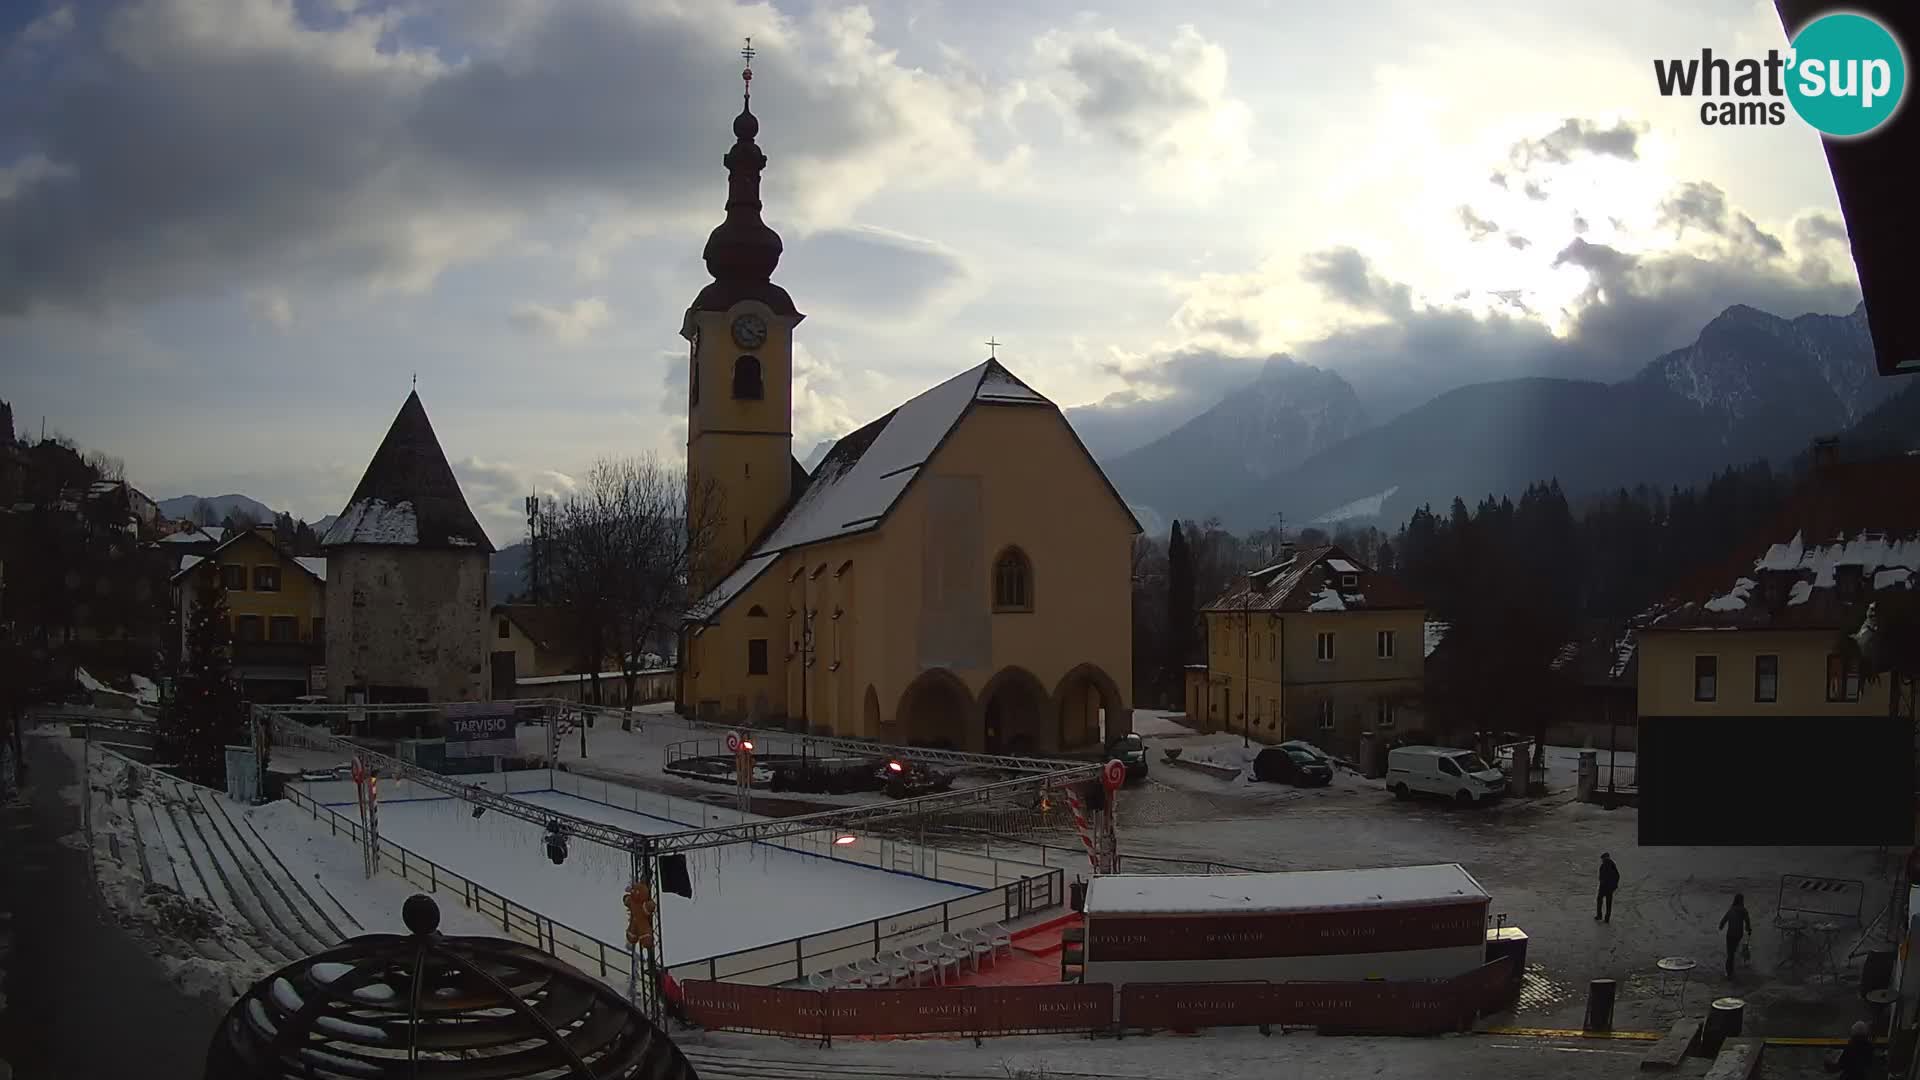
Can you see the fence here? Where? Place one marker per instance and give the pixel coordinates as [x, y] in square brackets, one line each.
[1009, 889]
[1408, 1008]
[1074, 857]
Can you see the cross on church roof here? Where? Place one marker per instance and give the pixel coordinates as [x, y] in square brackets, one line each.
[993, 349]
[746, 73]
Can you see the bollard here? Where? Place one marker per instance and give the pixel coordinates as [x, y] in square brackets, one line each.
[1600, 1005]
[1723, 1023]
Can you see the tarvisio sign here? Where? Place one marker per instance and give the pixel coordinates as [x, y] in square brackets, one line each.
[482, 729]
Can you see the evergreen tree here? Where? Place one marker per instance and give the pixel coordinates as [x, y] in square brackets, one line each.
[1180, 610]
[206, 713]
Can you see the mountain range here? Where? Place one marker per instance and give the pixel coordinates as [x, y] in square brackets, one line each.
[182, 507]
[1295, 441]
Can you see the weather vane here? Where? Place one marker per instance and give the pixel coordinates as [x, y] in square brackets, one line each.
[993, 348]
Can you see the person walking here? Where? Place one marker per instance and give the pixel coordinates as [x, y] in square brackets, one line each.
[1854, 1061]
[1609, 881]
[1737, 925]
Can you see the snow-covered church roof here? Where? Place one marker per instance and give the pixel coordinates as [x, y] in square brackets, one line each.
[408, 496]
[862, 478]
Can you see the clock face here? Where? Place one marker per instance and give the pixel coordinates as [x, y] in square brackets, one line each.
[749, 331]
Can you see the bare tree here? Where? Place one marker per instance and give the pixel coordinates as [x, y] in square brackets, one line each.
[620, 548]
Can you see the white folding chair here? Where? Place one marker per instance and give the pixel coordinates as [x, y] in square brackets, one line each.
[937, 958]
[873, 974]
[846, 977]
[899, 968]
[1000, 938]
[819, 980]
[917, 965]
[980, 943]
[960, 950]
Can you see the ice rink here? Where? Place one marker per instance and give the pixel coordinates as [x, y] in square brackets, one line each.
[744, 895]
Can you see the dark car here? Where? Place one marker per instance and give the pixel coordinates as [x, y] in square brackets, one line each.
[1285, 765]
[1306, 747]
[1130, 750]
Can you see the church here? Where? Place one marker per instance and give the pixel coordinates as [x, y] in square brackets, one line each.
[957, 573]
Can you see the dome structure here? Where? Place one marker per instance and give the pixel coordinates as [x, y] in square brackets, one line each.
[428, 1005]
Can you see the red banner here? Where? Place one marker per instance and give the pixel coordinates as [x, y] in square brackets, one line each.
[718, 1005]
[924, 1011]
[1309, 933]
[1048, 1007]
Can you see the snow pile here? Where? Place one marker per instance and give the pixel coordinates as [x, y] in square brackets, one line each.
[1887, 579]
[315, 565]
[375, 521]
[999, 384]
[1622, 654]
[145, 690]
[1225, 755]
[1327, 599]
[1871, 551]
[1436, 632]
[1735, 600]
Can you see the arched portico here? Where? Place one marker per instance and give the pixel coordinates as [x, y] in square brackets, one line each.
[934, 711]
[1089, 709]
[1013, 708]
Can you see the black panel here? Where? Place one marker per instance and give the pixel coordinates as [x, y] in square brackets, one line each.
[1775, 781]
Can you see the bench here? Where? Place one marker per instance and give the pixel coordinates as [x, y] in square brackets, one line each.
[1739, 1059]
[1666, 1055]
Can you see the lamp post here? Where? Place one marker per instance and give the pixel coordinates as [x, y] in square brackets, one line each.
[1246, 663]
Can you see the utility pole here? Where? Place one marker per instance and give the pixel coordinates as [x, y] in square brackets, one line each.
[803, 652]
[535, 541]
[1246, 662]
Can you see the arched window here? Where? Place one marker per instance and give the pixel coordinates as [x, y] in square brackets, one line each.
[1012, 581]
[746, 378]
[756, 612]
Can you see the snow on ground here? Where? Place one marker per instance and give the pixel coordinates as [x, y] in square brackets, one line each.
[331, 866]
[1365, 506]
[744, 895]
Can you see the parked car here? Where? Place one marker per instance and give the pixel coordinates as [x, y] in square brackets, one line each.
[905, 779]
[1306, 747]
[1449, 773]
[1131, 751]
[1291, 765]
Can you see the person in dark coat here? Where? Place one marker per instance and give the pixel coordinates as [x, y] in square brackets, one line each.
[1854, 1061]
[1737, 925]
[1609, 881]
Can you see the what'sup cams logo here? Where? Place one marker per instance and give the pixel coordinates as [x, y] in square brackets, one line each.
[1845, 75]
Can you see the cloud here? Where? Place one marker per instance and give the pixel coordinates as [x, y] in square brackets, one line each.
[569, 324]
[1579, 225]
[272, 306]
[1575, 137]
[1345, 275]
[1162, 391]
[1170, 107]
[1534, 190]
[206, 144]
[1478, 228]
[877, 274]
[1518, 242]
[1701, 205]
[1820, 228]
[496, 492]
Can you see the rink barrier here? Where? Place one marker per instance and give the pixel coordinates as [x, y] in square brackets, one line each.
[1393, 1008]
[1009, 889]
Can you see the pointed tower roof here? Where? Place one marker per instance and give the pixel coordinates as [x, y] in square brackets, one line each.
[742, 251]
[408, 496]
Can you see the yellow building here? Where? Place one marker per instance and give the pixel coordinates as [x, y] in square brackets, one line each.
[276, 609]
[1763, 637]
[1317, 647]
[954, 573]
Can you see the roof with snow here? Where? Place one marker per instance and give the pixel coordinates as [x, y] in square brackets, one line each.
[1296, 890]
[862, 478]
[408, 496]
[317, 567]
[204, 534]
[1313, 579]
[1851, 531]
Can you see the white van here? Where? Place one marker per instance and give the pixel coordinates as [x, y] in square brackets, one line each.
[1459, 775]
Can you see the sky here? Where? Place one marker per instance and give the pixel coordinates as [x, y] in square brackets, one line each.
[233, 232]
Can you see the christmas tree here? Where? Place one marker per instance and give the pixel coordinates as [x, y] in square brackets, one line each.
[206, 713]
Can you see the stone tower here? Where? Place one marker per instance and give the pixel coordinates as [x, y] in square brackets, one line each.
[407, 578]
[740, 366]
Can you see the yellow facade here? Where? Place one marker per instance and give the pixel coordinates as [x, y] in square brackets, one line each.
[1668, 663]
[1043, 675]
[292, 611]
[1289, 687]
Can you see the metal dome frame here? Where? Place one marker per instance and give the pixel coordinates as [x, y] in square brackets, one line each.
[424, 1004]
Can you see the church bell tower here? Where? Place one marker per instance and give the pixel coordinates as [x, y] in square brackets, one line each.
[740, 365]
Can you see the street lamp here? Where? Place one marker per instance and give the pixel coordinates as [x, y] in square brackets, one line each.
[1246, 663]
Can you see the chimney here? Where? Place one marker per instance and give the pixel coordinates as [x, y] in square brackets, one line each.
[1826, 451]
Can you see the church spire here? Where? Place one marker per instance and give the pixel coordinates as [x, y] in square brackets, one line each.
[742, 251]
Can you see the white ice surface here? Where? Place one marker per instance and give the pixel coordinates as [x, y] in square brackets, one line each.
[744, 895]
[1302, 890]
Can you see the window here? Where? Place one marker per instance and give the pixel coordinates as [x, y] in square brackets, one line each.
[746, 379]
[757, 656]
[266, 579]
[1349, 581]
[1449, 766]
[756, 612]
[319, 629]
[1766, 678]
[246, 628]
[1383, 644]
[1326, 716]
[233, 578]
[1384, 714]
[284, 628]
[502, 633]
[1323, 646]
[1012, 581]
[1843, 678]
[1706, 678]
